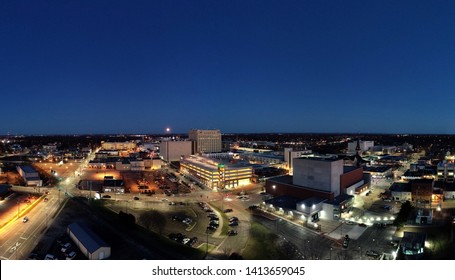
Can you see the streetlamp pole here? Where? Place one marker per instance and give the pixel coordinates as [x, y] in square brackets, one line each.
[331, 252]
[360, 253]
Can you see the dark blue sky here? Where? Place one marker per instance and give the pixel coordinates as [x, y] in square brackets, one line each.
[240, 66]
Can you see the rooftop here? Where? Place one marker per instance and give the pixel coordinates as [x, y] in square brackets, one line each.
[89, 239]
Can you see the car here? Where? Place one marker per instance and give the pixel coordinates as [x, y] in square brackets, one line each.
[372, 253]
[50, 257]
[25, 219]
[136, 198]
[368, 193]
[234, 223]
[387, 200]
[232, 232]
[210, 229]
[231, 219]
[71, 255]
[172, 203]
[65, 247]
[187, 221]
[46, 199]
[362, 225]
[106, 196]
[228, 210]
[192, 241]
[387, 207]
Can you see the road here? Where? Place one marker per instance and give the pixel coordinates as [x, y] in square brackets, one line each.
[19, 239]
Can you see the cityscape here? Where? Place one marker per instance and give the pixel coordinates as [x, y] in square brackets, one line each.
[209, 195]
[270, 133]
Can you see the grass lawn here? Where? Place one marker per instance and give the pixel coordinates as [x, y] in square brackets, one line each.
[262, 245]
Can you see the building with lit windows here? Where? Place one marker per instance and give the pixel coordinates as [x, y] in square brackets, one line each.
[206, 141]
[121, 146]
[324, 186]
[216, 174]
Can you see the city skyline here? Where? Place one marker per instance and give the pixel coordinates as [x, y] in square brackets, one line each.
[103, 67]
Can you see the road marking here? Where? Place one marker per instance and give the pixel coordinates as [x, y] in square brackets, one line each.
[23, 238]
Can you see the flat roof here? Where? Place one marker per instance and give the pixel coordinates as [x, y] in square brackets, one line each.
[331, 159]
[340, 199]
[27, 169]
[312, 201]
[89, 239]
[380, 168]
[400, 187]
[287, 179]
[284, 201]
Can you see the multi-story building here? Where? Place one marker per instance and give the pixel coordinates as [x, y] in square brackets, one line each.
[118, 146]
[206, 141]
[175, 150]
[216, 174]
[323, 180]
[422, 190]
[290, 155]
[362, 145]
[445, 172]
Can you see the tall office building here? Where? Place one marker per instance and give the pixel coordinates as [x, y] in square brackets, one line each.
[206, 141]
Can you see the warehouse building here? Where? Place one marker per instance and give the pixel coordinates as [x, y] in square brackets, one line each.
[90, 244]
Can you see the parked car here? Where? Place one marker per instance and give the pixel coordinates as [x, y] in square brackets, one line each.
[232, 232]
[136, 198]
[227, 210]
[234, 223]
[50, 257]
[372, 253]
[65, 247]
[106, 196]
[387, 200]
[25, 219]
[71, 255]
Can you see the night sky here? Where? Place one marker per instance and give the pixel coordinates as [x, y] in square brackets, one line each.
[83, 67]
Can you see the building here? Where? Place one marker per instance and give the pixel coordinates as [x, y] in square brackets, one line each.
[412, 244]
[445, 172]
[5, 191]
[216, 174]
[119, 146]
[206, 141]
[422, 190]
[363, 145]
[379, 171]
[90, 244]
[290, 154]
[113, 185]
[318, 173]
[325, 180]
[401, 191]
[30, 175]
[175, 150]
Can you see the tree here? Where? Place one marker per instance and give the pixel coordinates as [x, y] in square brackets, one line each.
[153, 219]
[405, 211]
